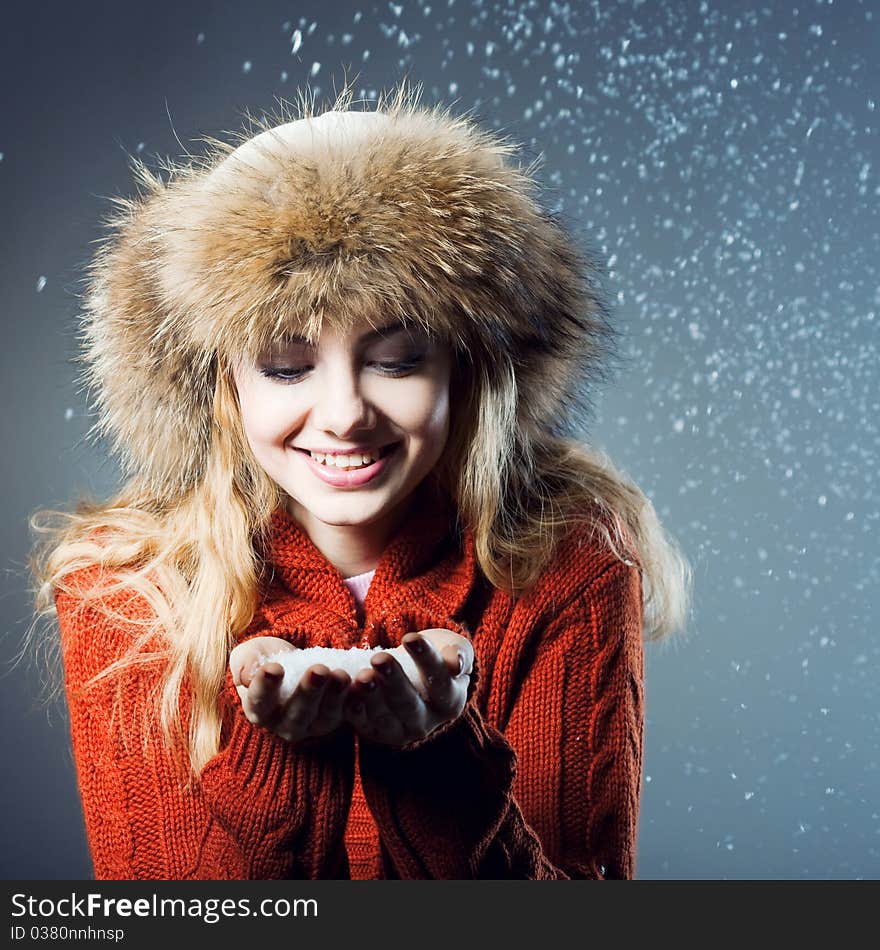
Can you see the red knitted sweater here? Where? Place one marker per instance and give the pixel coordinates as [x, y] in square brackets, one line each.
[540, 777]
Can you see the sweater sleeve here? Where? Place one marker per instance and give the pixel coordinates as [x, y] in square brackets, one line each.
[570, 758]
[260, 809]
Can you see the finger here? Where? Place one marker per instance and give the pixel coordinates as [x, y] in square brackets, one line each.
[330, 713]
[354, 705]
[244, 660]
[264, 690]
[313, 683]
[437, 677]
[297, 714]
[366, 686]
[244, 671]
[443, 639]
[454, 660]
[371, 716]
[400, 695]
[381, 723]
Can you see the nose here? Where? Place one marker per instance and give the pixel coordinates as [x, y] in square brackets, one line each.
[340, 407]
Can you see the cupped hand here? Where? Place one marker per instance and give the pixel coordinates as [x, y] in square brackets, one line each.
[314, 709]
[384, 706]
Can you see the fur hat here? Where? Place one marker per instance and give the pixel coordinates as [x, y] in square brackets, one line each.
[404, 212]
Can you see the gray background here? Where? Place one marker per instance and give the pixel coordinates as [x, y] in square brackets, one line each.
[723, 160]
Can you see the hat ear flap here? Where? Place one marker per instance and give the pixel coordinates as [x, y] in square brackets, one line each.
[152, 390]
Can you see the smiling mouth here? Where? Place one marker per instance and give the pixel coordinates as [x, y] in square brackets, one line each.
[352, 462]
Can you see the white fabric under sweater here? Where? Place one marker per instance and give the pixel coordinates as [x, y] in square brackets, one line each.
[359, 584]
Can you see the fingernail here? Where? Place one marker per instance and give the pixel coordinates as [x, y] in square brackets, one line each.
[272, 676]
[370, 685]
[318, 678]
[386, 668]
[415, 645]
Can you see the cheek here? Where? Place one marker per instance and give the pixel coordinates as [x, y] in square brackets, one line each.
[267, 417]
[439, 420]
[422, 410]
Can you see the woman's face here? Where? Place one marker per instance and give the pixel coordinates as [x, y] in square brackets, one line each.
[349, 427]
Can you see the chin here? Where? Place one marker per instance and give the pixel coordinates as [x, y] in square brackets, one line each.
[346, 514]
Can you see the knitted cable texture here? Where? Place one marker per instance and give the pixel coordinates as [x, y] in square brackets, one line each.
[540, 777]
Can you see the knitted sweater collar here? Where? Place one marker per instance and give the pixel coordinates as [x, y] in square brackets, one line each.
[424, 577]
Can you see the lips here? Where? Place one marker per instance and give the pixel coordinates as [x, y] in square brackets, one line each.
[355, 477]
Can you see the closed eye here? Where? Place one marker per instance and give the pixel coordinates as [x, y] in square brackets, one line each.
[392, 368]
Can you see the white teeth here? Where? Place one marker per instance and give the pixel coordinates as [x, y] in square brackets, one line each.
[345, 461]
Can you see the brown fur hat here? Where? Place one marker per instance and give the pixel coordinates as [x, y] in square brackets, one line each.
[405, 212]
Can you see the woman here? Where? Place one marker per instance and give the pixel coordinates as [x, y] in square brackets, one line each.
[381, 283]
